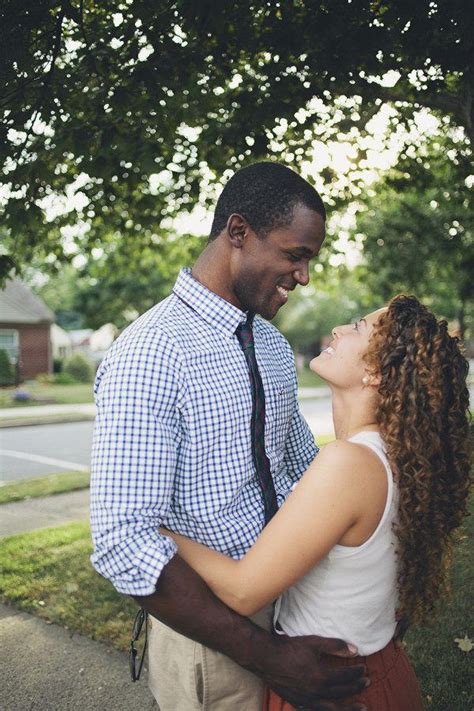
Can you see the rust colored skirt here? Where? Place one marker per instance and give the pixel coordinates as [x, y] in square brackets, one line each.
[393, 686]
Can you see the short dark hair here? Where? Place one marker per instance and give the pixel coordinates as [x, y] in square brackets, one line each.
[265, 194]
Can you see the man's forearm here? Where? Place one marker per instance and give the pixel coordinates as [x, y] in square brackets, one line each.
[184, 602]
[291, 665]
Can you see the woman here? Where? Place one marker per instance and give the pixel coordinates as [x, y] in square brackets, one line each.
[366, 534]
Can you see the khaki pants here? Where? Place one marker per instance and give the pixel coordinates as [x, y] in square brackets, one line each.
[186, 676]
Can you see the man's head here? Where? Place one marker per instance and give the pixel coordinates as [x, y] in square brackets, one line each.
[272, 223]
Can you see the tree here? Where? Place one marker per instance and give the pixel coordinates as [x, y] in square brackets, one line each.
[124, 280]
[131, 109]
[418, 231]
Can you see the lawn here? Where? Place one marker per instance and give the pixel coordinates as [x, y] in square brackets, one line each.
[43, 486]
[48, 572]
[45, 393]
[308, 379]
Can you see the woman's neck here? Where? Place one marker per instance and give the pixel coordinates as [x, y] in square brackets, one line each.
[353, 412]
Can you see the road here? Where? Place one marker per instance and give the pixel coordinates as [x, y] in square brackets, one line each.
[27, 452]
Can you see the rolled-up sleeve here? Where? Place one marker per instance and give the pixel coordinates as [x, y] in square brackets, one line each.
[139, 392]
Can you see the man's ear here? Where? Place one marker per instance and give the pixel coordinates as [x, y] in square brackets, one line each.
[237, 230]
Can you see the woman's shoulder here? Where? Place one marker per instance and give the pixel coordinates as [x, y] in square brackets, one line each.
[354, 462]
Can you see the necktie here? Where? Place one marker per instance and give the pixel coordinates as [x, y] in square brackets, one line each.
[244, 334]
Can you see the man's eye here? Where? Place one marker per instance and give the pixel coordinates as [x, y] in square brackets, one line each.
[294, 257]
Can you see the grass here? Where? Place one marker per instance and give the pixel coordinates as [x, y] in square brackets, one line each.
[48, 572]
[43, 486]
[308, 379]
[49, 393]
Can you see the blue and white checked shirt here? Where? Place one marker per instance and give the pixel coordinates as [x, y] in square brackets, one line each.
[172, 440]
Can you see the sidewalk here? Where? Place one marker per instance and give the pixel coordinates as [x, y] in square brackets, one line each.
[45, 414]
[51, 414]
[48, 668]
[44, 511]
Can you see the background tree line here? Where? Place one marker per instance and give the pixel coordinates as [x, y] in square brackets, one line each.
[118, 117]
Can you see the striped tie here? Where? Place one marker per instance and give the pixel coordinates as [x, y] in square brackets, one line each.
[244, 334]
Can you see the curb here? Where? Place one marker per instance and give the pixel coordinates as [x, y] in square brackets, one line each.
[45, 420]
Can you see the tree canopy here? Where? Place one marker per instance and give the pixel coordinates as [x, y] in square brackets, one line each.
[119, 115]
[417, 229]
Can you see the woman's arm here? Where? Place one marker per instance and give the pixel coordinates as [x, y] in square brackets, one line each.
[328, 501]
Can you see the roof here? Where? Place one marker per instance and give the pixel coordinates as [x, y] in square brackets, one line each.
[18, 304]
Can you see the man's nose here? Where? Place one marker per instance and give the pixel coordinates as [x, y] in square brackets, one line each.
[302, 275]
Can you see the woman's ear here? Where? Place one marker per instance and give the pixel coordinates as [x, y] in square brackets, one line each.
[371, 379]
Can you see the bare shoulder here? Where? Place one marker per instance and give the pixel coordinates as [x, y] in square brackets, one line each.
[350, 460]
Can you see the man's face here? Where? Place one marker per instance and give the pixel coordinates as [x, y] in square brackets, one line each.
[269, 268]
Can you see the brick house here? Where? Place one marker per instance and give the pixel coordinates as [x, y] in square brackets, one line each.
[25, 330]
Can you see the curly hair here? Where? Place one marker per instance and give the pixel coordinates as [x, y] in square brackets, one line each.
[423, 415]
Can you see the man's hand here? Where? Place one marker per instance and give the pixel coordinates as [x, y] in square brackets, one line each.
[298, 676]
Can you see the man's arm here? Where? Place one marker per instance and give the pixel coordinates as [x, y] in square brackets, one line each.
[288, 664]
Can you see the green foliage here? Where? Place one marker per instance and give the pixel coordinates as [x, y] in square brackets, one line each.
[418, 231]
[66, 378]
[7, 375]
[100, 97]
[78, 367]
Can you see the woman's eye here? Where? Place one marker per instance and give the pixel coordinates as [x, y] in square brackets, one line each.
[356, 327]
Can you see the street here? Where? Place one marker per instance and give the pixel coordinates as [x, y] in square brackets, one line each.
[28, 452]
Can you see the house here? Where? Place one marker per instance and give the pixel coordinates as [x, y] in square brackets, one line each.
[25, 330]
[61, 342]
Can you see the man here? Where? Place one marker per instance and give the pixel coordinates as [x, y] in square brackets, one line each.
[177, 444]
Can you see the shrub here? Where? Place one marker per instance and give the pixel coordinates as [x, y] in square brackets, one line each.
[64, 379]
[45, 378]
[7, 373]
[79, 367]
[57, 365]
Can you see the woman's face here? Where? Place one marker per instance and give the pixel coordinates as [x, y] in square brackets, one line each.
[342, 364]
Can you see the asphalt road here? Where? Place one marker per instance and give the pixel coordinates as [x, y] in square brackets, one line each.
[28, 452]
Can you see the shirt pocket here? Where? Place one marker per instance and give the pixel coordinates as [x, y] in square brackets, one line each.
[279, 408]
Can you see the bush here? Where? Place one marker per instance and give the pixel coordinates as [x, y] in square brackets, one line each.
[7, 373]
[64, 379]
[78, 367]
[57, 365]
[44, 378]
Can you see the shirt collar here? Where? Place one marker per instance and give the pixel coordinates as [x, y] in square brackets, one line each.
[215, 310]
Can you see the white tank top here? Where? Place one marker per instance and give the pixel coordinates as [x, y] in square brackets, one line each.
[352, 592]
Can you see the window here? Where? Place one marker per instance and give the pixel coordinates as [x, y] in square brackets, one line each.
[9, 343]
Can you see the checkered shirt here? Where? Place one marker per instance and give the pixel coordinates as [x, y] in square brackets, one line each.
[172, 440]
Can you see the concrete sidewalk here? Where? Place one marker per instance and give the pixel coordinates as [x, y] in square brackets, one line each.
[48, 668]
[44, 511]
[50, 414]
[45, 414]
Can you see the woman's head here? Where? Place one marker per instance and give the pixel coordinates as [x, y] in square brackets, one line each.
[342, 363]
